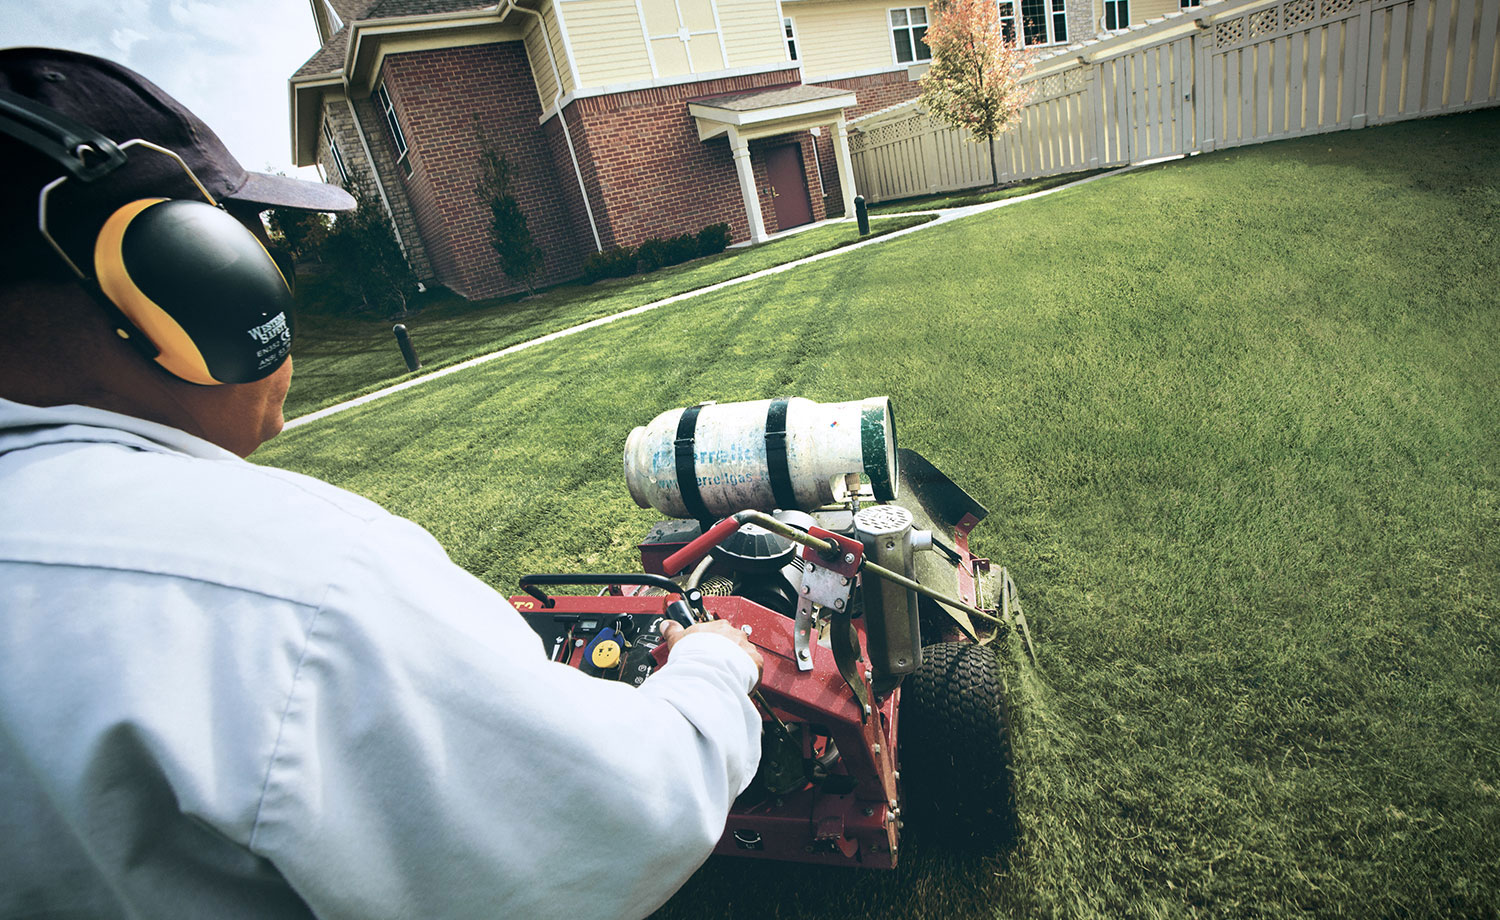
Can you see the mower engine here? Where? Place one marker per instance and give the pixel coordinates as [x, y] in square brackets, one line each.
[840, 557]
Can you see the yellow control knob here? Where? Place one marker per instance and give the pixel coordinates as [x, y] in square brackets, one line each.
[606, 654]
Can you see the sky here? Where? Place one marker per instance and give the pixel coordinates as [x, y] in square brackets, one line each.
[226, 60]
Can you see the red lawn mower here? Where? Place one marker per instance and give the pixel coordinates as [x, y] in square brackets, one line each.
[846, 562]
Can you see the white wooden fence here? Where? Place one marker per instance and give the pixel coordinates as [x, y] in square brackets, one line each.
[1220, 75]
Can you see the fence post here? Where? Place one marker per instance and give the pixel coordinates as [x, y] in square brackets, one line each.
[1203, 86]
[927, 150]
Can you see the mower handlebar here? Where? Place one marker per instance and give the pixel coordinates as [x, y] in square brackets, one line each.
[700, 547]
[720, 532]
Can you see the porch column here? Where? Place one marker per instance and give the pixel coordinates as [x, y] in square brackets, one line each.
[846, 168]
[741, 151]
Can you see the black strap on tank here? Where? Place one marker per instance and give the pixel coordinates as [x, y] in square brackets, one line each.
[776, 460]
[687, 473]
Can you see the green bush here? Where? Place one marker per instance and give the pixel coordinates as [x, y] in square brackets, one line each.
[614, 262]
[654, 253]
[363, 255]
[509, 234]
[681, 248]
[651, 254]
[713, 239]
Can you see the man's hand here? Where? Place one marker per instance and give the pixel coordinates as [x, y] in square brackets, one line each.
[671, 631]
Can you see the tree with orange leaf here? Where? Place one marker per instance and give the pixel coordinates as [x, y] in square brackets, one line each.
[974, 83]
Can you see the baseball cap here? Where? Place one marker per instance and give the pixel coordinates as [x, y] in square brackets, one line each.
[122, 105]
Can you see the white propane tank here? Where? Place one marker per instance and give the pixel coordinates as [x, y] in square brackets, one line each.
[764, 455]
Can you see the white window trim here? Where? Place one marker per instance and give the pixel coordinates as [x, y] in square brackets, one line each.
[1019, 25]
[891, 32]
[792, 41]
[338, 155]
[392, 122]
[1121, 21]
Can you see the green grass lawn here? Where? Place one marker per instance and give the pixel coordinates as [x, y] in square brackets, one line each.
[979, 196]
[1238, 422]
[337, 358]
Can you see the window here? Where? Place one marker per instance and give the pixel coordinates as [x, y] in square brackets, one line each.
[382, 100]
[338, 156]
[908, 28]
[1189, 4]
[791, 38]
[1116, 14]
[1043, 22]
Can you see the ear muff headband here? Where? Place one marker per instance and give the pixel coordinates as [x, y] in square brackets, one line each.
[200, 286]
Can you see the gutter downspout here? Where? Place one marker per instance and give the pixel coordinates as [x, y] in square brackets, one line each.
[557, 106]
[374, 170]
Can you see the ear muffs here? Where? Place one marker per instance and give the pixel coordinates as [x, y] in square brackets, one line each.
[200, 286]
[197, 285]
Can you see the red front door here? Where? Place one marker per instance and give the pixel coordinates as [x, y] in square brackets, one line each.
[788, 186]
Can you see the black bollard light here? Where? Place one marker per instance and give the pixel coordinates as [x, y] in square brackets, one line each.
[862, 215]
[408, 353]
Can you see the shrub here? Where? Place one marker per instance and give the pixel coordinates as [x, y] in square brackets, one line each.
[652, 254]
[713, 239]
[361, 252]
[615, 262]
[520, 258]
[681, 248]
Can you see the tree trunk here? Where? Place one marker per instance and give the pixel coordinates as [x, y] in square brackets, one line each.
[994, 173]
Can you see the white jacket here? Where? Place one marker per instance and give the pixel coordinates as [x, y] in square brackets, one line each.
[231, 691]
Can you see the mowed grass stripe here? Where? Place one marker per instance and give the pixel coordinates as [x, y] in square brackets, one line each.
[1236, 419]
[341, 358]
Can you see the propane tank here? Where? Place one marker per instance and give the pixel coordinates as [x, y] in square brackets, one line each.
[765, 455]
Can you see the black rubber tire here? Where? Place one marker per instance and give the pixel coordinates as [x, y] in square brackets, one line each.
[955, 747]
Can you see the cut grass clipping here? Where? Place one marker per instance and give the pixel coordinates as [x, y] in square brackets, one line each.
[1236, 420]
[338, 359]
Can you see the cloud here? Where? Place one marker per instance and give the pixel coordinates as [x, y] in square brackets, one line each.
[227, 60]
[125, 39]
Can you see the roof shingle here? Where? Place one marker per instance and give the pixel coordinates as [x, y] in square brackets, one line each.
[330, 58]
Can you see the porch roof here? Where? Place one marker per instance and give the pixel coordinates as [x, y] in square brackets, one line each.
[762, 112]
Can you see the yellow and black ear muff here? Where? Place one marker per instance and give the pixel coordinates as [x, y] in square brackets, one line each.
[184, 275]
[200, 286]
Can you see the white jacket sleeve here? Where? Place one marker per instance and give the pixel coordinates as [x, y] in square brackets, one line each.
[433, 763]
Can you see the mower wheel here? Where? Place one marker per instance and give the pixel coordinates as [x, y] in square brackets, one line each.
[955, 747]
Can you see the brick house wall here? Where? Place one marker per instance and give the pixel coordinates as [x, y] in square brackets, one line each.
[649, 175]
[645, 169]
[447, 99]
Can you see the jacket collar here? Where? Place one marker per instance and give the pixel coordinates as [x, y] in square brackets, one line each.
[23, 426]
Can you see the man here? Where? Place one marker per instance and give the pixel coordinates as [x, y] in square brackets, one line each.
[229, 691]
